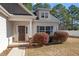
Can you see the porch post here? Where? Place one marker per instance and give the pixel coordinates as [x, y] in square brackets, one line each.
[30, 29]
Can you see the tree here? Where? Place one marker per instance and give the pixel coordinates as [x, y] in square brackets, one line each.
[74, 12]
[41, 5]
[46, 5]
[60, 12]
[38, 5]
[28, 5]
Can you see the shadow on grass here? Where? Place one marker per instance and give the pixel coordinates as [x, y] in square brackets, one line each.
[44, 45]
[30, 47]
[54, 43]
[25, 46]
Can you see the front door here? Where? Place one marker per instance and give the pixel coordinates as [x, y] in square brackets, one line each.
[21, 33]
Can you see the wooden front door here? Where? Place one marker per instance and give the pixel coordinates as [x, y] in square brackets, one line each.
[21, 33]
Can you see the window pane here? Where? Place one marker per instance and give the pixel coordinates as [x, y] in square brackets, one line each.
[51, 28]
[47, 27]
[42, 15]
[38, 28]
[46, 15]
[41, 27]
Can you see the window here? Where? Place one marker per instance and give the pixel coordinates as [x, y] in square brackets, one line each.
[42, 28]
[38, 29]
[44, 15]
[47, 29]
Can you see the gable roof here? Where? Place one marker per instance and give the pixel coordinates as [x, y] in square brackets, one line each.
[53, 18]
[43, 9]
[15, 9]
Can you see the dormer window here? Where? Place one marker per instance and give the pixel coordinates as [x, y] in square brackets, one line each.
[44, 15]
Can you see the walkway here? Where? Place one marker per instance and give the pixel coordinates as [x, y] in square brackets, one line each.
[18, 49]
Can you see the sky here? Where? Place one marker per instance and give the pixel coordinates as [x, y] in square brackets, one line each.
[65, 4]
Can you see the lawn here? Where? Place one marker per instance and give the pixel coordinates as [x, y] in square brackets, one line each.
[68, 48]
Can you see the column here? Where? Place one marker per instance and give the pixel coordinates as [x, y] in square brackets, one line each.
[30, 29]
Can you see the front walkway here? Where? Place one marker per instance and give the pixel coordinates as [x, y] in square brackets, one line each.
[17, 51]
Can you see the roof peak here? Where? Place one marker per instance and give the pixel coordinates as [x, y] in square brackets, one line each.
[43, 9]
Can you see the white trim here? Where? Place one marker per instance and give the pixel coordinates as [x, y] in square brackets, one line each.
[46, 21]
[21, 18]
[30, 26]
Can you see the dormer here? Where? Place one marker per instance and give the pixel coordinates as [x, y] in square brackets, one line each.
[43, 13]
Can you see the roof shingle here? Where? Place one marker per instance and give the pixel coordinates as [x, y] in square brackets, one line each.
[14, 8]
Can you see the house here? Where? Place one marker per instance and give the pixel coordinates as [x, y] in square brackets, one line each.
[17, 23]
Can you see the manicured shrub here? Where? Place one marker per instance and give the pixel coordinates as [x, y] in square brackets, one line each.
[59, 37]
[46, 38]
[40, 38]
[51, 37]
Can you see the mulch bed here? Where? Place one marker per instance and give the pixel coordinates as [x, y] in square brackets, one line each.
[5, 52]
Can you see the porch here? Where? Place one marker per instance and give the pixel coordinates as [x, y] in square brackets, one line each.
[19, 31]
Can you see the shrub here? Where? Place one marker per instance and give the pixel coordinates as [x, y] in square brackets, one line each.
[59, 37]
[51, 37]
[40, 38]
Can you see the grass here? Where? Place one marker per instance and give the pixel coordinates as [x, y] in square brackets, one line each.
[68, 48]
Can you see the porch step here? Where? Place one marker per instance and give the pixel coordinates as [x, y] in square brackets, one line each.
[18, 45]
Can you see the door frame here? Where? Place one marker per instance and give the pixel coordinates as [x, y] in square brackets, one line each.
[18, 32]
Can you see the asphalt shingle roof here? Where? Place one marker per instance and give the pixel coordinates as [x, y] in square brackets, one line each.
[14, 8]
